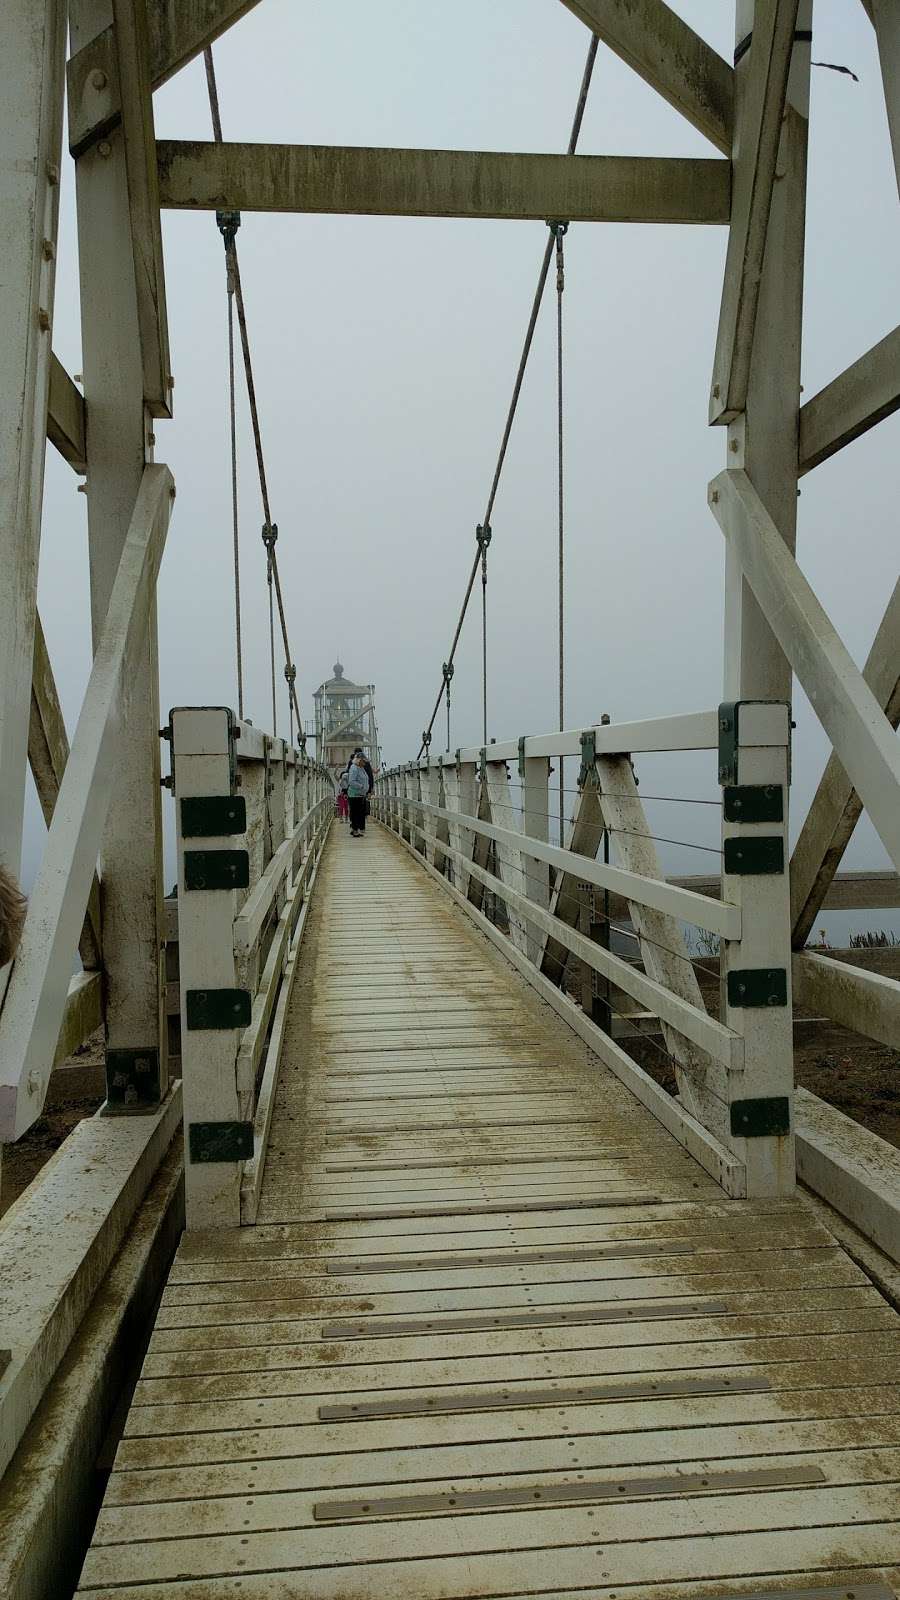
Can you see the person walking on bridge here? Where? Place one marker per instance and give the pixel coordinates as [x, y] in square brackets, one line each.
[358, 787]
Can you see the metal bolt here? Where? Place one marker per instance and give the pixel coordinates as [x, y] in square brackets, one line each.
[733, 446]
[44, 320]
[98, 79]
[34, 1081]
[104, 148]
[151, 438]
[714, 497]
[47, 249]
[172, 492]
[717, 390]
[82, 488]
[52, 172]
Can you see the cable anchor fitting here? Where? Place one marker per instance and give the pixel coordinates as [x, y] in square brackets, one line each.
[269, 537]
[290, 673]
[559, 231]
[483, 539]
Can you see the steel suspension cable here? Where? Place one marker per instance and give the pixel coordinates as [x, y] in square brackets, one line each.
[513, 406]
[558, 231]
[270, 529]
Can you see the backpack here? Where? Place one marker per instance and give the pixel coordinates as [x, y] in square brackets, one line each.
[357, 782]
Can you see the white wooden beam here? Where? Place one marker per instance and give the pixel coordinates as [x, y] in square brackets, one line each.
[31, 109]
[132, 53]
[118, 447]
[764, 438]
[178, 31]
[36, 998]
[836, 806]
[861, 735]
[351, 180]
[668, 55]
[83, 1013]
[766, 66]
[863, 395]
[886, 17]
[866, 1002]
[48, 752]
[66, 425]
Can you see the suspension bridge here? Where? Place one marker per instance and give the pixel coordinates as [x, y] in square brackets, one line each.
[387, 1268]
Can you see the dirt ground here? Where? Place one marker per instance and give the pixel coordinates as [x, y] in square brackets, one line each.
[76, 1092]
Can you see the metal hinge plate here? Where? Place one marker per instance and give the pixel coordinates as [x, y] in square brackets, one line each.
[213, 816]
[132, 1078]
[761, 857]
[751, 987]
[761, 1118]
[753, 802]
[217, 1008]
[220, 1141]
[216, 869]
[588, 756]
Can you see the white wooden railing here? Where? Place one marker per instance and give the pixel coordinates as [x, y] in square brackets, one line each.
[735, 1074]
[252, 815]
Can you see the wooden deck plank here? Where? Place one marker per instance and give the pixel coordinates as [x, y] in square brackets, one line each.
[490, 1315]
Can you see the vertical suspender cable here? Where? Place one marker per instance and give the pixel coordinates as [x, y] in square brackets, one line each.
[234, 498]
[559, 229]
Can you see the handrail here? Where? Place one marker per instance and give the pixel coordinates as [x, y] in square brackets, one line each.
[718, 916]
[251, 919]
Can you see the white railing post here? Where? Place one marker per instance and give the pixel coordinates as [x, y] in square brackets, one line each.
[213, 874]
[534, 772]
[754, 769]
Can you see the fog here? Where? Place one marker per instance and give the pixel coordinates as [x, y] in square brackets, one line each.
[385, 350]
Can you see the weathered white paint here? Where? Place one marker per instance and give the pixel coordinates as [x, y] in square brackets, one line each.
[31, 108]
[350, 179]
[836, 806]
[674, 60]
[866, 1002]
[851, 1168]
[509, 862]
[858, 398]
[36, 998]
[201, 759]
[535, 775]
[694, 730]
[886, 18]
[845, 705]
[58, 1239]
[764, 71]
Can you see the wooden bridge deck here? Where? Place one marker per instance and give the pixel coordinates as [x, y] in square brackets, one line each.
[495, 1333]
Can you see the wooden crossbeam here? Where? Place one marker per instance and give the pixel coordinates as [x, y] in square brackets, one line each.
[886, 17]
[671, 57]
[836, 807]
[132, 54]
[854, 401]
[866, 1002]
[48, 752]
[767, 66]
[36, 998]
[349, 180]
[66, 427]
[178, 31]
[862, 737]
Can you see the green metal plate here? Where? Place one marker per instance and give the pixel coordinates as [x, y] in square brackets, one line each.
[753, 802]
[216, 869]
[217, 1008]
[220, 1141]
[132, 1078]
[728, 741]
[761, 1118]
[212, 816]
[762, 857]
[757, 986]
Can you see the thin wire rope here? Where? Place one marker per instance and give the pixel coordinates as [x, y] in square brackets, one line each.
[520, 372]
[560, 284]
[622, 794]
[272, 653]
[231, 251]
[235, 524]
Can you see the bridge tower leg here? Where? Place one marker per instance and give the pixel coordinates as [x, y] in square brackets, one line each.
[120, 441]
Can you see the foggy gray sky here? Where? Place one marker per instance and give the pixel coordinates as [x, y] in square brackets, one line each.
[384, 353]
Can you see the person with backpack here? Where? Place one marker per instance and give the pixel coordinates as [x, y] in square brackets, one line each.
[358, 793]
[343, 807]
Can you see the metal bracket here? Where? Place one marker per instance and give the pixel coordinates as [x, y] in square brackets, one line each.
[750, 987]
[728, 741]
[213, 816]
[522, 757]
[588, 756]
[217, 1008]
[753, 802]
[132, 1078]
[220, 1141]
[750, 857]
[216, 869]
[761, 1118]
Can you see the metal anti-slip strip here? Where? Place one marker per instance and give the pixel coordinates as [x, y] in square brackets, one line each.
[506, 1258]
[503, 1399]
[526, 1317]
[501, 1208]
[567, 1493]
